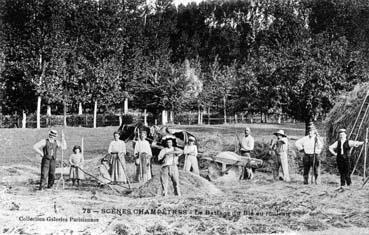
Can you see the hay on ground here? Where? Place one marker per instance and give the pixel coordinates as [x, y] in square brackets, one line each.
[189, 184]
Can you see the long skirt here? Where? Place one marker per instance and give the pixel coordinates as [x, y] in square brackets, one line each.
[117, 169]
[76, 173]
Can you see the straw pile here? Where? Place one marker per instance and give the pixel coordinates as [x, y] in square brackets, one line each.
[189, 184]
[344, 114]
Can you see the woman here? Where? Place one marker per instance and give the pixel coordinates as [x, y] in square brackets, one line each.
[169, 168]
[142, 152]
[76, 164]
[190, 152]
[117, 149]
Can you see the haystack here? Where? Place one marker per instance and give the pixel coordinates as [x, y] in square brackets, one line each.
[189, 185]
[344, 114]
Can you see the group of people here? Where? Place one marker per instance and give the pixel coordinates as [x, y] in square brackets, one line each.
[113, 166]
[311, 146]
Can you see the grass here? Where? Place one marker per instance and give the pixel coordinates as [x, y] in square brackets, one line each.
[17, 144]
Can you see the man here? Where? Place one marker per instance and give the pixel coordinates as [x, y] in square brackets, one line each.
[169, 168]
[280, 148]
[341, 149]
[47, 148]
[312, 146]
[143, 154]
[246, 146]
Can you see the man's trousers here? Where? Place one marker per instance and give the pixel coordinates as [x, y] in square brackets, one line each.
[281, 160]
[171, 172]
[310, 162]
[343, 165]
[47, 173]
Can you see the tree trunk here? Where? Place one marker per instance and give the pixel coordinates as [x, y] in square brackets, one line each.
[261, 117]
[145, 117]
[201, 117]
[125, 110]
[65, 115]
[24, 119]
[235, 118]
[120, 120]
[198, 115]
[80, 110]
[38, 114]
[279, 118]
[171, 116]
[225, 110]
[95, 113]
[48, 111]
[164, 117]
[209, 115]
[308, 121]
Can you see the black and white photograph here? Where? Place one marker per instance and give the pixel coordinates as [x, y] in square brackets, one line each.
[176, 117]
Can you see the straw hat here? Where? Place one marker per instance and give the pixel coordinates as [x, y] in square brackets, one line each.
[169, 137]
[280, 132]
[341, 130]
[191, 138]
[53, 134]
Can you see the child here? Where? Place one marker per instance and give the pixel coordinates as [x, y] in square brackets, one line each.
[76, 162]
[104, 171]
[190, 152]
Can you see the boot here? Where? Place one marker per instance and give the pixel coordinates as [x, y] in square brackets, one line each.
[306, 179]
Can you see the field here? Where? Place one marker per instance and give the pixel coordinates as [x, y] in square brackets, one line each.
[257, 206]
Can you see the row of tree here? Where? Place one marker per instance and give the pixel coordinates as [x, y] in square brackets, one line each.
[230, 57]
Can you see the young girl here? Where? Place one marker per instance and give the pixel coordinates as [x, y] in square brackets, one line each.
[76, 164]
[190, 152]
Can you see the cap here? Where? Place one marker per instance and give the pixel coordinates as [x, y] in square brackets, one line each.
[280, 132]
[53, 133]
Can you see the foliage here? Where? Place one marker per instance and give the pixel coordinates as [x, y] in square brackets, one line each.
[289, 57]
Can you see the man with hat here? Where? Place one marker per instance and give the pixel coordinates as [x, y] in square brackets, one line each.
[280, 149]
[47, 148]
[341, 149]
[246, 146]
[312, 146]
[169, 169]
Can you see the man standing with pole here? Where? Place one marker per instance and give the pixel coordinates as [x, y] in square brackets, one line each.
[246, 146]
[311, 145]
[47, 148]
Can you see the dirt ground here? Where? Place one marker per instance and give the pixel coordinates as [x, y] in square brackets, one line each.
[257, 206]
